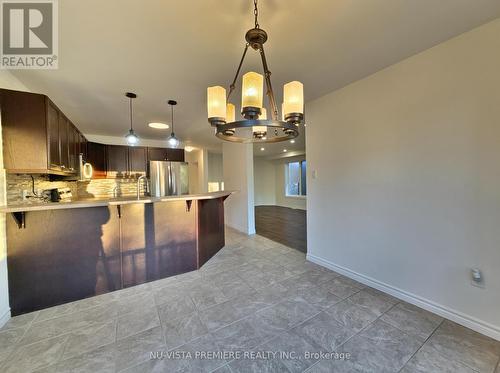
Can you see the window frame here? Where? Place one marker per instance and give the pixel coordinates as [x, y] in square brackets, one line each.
[287, 178]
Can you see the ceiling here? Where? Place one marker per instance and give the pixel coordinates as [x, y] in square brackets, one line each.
[174, 50]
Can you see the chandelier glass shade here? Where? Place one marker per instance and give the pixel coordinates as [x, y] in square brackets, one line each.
[257, 125]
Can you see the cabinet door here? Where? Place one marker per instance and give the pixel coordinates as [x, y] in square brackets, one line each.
[83, 147]
[175, 155]
[64, 141]
[117, 161]
[157, 154]
[137, 160]
[53, 137]
[73, 147]
[96, 156]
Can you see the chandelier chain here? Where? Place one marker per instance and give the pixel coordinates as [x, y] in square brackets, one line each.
[256, 13]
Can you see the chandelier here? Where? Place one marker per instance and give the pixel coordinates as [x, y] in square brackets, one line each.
[256, 127]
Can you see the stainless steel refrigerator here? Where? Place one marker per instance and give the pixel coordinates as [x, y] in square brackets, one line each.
[168, 178]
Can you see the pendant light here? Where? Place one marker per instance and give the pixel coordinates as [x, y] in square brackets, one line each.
[132, 138]
[173, 141]
[264, 128]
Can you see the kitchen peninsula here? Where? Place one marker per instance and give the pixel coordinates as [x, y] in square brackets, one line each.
[62, 252]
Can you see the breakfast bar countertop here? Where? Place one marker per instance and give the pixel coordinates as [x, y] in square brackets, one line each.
[99, 202]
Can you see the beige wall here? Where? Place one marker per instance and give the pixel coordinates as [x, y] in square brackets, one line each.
[7, 80]
[237, 162]
[264, 182]
[407, 194]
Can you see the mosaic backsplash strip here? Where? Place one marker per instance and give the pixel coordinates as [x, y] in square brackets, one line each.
[96, 188]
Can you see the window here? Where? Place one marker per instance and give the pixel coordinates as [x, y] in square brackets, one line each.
[295, 179]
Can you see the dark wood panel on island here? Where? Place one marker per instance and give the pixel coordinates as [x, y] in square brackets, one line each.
[69, 254]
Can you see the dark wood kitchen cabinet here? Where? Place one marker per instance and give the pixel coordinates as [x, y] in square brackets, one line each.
[74, 147]
[166, 154]
[54, 156]
[96, 156]
[64, 142]
[117, 161]
[37, 136]
[125, 161]
[137, 160]
[83, 146]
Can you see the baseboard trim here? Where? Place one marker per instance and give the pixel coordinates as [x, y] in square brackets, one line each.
[5, 317]
[439, 309]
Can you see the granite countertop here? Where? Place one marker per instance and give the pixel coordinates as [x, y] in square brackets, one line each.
[100, 202]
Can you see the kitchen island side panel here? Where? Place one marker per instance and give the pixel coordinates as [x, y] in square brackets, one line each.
[158, 241]
[210, 228]
[62, 256]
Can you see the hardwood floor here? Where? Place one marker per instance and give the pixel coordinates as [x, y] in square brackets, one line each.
[282, 224]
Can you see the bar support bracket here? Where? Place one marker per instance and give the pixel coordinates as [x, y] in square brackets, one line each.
[189, 202]
[20, 219]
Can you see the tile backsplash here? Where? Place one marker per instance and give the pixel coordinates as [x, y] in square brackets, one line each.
[17, 183]
[95, 188]
[107, 188]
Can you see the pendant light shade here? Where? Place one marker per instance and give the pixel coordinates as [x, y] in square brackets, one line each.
[260, 131]
[216, 102]
[230, 113]
[131, 137]
[173, 141]
[293, 97]
[253, 86]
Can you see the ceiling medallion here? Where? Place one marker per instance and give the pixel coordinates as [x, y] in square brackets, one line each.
[221, 115]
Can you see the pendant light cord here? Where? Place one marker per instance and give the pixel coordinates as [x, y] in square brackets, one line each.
[172, 115]
[131, 128]
[256, 13]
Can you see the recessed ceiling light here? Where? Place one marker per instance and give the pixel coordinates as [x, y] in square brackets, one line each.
[292, 141]
[188, 148]
[262, 149]
[158, 125]
[284, 150]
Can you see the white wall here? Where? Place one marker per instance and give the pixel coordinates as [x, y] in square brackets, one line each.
[198, 172]
[215, 172]
[238, 176]
[407, 194]
[264, 182]
[7, 80]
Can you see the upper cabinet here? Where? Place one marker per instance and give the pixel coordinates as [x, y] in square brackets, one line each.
[96, 156]
[166, 154]
[137, 160]
[37, 136]
[117, 160]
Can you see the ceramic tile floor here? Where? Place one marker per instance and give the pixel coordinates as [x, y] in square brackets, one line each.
[254, 297]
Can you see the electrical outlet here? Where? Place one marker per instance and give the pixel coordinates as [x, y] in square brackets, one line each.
[24, 194]
[477, 278]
